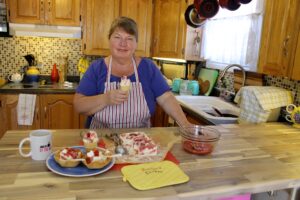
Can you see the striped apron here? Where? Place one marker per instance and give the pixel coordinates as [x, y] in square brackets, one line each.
[133, 113]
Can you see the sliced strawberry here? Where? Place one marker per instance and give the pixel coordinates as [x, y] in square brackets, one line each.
[96, 152]
[88, 160]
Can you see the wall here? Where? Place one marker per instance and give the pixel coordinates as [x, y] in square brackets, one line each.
[46, 51]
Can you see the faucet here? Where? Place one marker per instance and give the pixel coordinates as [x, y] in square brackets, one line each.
[224, 92]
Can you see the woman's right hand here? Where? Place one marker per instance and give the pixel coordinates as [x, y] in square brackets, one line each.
[115, 97]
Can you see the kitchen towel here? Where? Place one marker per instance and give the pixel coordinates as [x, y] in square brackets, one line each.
[25, 109]
[257, 103]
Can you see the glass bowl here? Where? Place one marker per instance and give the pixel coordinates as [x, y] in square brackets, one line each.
[199, 140]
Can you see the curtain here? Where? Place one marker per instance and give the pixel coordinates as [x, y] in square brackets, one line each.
[233, 37]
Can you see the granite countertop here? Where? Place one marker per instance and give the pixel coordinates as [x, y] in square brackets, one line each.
[36, 88]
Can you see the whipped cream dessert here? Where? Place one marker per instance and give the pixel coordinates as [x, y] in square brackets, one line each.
[138, 143]
[125, 83]
[90, 137]
[94, 155]
[69, 154]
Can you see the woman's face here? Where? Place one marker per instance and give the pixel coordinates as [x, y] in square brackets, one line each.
[122, 44]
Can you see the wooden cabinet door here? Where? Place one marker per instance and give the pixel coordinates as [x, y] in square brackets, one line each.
[278, 37]
[169, 28]
[63, 12]
[98, 16]
[57, 112]
[295, 73]
[26, 11]
[9, 113]
[141, 12]
[160, 118]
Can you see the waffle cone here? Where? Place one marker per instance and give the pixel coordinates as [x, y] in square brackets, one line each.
[66, 163]
[125, 88]
[97, 164]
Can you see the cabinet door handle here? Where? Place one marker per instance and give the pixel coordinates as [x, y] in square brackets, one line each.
[285, 43]
[45, 110]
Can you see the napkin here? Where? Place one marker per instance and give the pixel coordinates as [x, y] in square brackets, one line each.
[25, 109]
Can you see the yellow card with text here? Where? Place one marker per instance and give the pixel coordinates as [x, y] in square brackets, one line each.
[153, 175]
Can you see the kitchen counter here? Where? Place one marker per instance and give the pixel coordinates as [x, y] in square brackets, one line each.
[248, 159]
[36, 88]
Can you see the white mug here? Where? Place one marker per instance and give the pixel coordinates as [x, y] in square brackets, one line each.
[40, 144]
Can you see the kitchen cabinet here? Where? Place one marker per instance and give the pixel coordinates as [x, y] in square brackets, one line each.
[98, 16]
[169, 28]
[160, 118]
[50, 12]
[8, 113]
[279, 39]
[57, 112]
[52, 111]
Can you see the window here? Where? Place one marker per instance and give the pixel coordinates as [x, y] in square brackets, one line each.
[233, 37]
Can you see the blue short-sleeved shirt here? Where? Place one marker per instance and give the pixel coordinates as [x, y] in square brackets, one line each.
[153, 83]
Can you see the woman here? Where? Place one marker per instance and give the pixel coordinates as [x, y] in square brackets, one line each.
[98, 93]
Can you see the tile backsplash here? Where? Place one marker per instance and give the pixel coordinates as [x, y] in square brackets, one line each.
[45, 50]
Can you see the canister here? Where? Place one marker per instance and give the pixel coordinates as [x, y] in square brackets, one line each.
[193, 86]
[176, 84]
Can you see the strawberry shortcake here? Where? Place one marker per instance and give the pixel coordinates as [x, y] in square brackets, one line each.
[95, 159]
[68, 157]
[90, 139]
[138, 143]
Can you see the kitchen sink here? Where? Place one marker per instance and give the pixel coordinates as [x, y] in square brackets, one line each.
[213, 109]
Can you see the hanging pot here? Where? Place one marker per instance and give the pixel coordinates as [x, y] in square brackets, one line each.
[206, 8]
[192, 18]
[244, 1]
[230, 4]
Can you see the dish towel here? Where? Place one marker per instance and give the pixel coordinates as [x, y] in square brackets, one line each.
[25, 109]
[257, 102]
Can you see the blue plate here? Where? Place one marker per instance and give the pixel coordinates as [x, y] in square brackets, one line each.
[80, 171]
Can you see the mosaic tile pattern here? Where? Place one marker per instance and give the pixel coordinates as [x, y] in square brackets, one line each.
[46, 51]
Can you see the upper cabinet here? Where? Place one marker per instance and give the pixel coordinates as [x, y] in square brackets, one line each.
[279, 39]
[98, 16]
[51, 12]
[169, 28]
[141, 12]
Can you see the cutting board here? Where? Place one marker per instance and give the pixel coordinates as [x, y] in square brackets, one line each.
[207, 79]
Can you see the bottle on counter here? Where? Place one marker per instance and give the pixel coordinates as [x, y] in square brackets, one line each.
[54, 74]
[63, 68]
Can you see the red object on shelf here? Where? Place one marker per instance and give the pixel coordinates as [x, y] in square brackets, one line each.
[54, 74]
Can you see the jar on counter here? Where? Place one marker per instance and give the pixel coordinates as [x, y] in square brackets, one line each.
[184, 90]
[193, 86]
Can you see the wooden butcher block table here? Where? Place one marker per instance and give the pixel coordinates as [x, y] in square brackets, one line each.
[247, 159]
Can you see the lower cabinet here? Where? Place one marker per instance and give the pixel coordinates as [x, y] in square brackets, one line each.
[161, 118]
[52, 111]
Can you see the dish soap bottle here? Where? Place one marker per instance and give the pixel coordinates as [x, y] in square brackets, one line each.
[54, 74]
